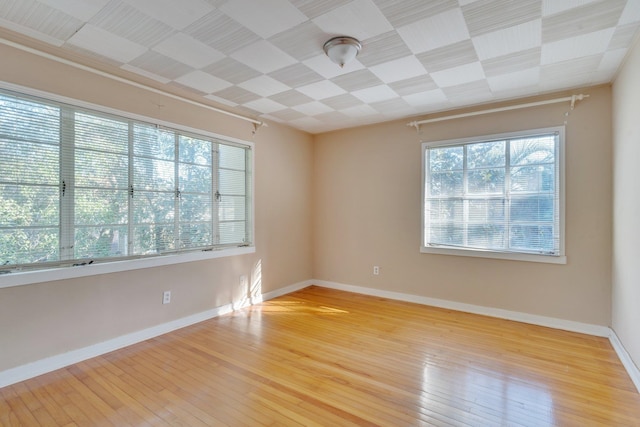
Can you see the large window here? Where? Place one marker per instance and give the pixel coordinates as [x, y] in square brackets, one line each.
[80, 186]
[498, 196]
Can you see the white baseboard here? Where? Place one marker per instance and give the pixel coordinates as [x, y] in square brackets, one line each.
[551, 322]
[625, 358]
[49, 364]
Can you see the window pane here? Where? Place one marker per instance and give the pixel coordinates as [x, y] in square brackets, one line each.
[486, 210]
[532, 238]
[446, 183]
[97, 206]
[537, 179]
[29, 121]
[195, 235]
[100, 242]
[153, 207]
[101, 170]
[29, 182]
[533, 150]
[28, 245]
[445, 210]
[486, 181]
[448, 233]
[232, 157]
[153, 239]
[150, 174]
[196, 151]
[195, 179]
[149, 141]
[486, 154]
[232, 232]
[232, 182]
[100, 133]
[446, 158]
[532, 208]
[17, 159]
[232, 208]
[195, 207]
[486, 236]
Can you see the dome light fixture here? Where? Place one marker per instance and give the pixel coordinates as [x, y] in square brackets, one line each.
[342, 49]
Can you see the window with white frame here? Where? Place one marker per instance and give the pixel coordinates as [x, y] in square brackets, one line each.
[79, 186]
[496, 196]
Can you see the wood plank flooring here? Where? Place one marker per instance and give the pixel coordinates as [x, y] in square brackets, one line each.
[320, 357]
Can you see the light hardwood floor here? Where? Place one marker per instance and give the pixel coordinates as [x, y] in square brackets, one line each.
[320, 357]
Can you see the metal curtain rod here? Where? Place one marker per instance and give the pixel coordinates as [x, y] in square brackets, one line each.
[572, 98]
[46, 55]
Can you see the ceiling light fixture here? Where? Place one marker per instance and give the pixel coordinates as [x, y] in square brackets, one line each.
[342, 49]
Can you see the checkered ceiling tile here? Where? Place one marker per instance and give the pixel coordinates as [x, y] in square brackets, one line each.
[264, 59]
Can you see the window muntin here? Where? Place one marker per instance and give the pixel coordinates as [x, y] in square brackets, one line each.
[491, 195]
[80, 185]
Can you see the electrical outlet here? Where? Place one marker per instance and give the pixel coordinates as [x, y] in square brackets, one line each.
[166, 297]
[376, 270]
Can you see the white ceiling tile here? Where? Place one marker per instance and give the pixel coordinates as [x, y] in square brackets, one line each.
[631, 12]
[511, 81]
[265, 18]
[459, 75]
[30, 32]
[313, 108]
[360, 19]
[81, 9]
[427, 98]
[310, 124]
[375, 94]
[513, 39]
[321, 90]
[265, 105]
[576, 47]
[104, 43]
[399, 69]
[264, 86]
[611, 60]
[203, 82]
[360, 111]
[551, 7]
[436, 31]
[322, 65]
[221, 100]
[263, 56]
[186, 49]
[145, 73]
[178, 14]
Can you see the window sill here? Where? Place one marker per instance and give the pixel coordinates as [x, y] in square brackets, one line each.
[51, 274]
[548, 259]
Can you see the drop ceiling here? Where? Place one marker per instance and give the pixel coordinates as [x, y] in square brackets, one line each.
[264, 59]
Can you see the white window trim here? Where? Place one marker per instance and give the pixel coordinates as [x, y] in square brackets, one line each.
[515, 256]
[19, 278]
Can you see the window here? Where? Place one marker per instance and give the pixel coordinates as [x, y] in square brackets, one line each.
[498, 196]
[80, 186]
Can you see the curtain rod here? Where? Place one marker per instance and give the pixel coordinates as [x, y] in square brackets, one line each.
[572, 98]
[257, 123]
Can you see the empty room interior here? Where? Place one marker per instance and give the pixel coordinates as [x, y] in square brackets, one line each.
[336, 212]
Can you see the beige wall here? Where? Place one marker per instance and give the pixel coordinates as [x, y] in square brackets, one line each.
[626, 205]
[367, 212]
[46, 319]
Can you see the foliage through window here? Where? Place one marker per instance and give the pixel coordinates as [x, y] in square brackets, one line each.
[495, 194]
[79, 185]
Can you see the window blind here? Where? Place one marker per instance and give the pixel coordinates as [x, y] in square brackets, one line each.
[497, 195]
[79, 186]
